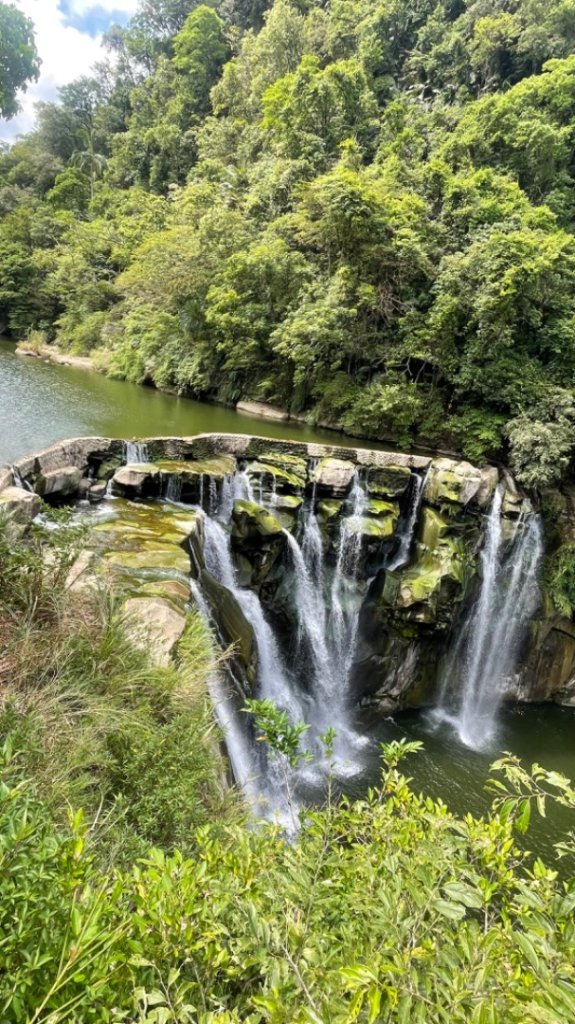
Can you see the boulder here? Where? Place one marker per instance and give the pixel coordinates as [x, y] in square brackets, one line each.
[451, 482]
[137, 481]
[6, 478]
[97, 492]
[388, 481]
[489, 481]
[253, 521]
[59, 483]
[513, 502]
[19, 507]
[333, 477]
[155, 625]
[268, 412]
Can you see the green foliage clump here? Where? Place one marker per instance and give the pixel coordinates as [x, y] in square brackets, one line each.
[560, 579]
[19, 63]
[388, 908]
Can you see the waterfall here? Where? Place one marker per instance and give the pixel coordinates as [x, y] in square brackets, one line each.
[345, 607]
[272, 678]
[173, 490]
[406, 540]
[235, 486]
[311, 616]
[273, 682]
[485, 654]
[135, 453]
[237, 742]
[312, 544]
[19, 481]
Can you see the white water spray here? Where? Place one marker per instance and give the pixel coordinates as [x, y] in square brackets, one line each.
[484, 657]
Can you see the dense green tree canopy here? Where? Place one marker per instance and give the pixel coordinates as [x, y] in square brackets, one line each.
[363, 210]
[18, 57]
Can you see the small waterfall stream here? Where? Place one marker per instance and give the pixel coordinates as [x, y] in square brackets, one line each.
[406, 540]
[345, 601]
[136, 453]
[483, 658]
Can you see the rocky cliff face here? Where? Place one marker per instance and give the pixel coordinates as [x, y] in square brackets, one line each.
[416, 534]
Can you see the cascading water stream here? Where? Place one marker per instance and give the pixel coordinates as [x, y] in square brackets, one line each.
[345, 607]
[273, 682]
[135, 453]
[19, 481]
[235, 487]
[237, 742]
[402, 556]
[484, 656]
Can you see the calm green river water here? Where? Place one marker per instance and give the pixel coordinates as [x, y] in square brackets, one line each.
[41, 403]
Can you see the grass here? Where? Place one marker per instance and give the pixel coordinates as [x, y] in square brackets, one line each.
[95, 724]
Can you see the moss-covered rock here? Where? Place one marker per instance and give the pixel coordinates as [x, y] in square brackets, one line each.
[388, 481]
[452, 482]
[150, 558]
[329, 510]
[427, 590]
[433, 528]
[380, 528]
[283, 460]
[252, 520]
[234, 628]
[285, 479]
[217, 467]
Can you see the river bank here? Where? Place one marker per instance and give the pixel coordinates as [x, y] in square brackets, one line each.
[49, 354]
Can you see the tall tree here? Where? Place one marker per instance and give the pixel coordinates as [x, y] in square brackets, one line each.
[19, 62]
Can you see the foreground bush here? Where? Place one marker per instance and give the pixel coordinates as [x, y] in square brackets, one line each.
[388, 909]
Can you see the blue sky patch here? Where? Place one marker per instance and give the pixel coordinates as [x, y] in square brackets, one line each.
[95, 20]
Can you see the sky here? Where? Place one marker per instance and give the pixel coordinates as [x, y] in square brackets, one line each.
[68, 36]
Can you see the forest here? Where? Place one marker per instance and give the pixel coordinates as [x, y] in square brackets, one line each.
[359, 210]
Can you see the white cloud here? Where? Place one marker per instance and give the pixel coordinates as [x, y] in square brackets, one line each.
[66, 52]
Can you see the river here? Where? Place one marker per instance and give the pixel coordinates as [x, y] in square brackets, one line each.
[41, 403]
